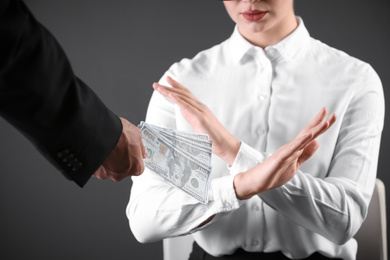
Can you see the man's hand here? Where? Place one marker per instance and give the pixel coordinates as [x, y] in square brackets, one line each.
[285, 162]
[127, 157]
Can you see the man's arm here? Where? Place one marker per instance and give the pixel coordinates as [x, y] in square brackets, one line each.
[55, 110]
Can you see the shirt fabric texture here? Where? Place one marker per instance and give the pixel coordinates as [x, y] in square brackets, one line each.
[265, 97]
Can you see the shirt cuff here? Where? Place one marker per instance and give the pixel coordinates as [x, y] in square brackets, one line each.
[247, 157]
[224, 195]
[223, 198]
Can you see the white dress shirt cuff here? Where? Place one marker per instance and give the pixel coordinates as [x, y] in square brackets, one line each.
[247, 157]
[223, 198]
[224, 195]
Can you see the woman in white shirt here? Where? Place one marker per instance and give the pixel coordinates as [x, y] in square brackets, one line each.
[264, 84]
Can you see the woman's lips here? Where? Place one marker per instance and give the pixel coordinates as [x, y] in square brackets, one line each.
[254, 15]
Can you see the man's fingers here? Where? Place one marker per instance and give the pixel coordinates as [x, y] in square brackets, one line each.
[100, 173]
[103, 174]
[145, 152]
[117, 177]
[138, 168]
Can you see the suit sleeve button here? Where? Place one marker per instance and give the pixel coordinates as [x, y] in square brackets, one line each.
[77, 166]
[63, 153]
[72, 162]
[68, 158]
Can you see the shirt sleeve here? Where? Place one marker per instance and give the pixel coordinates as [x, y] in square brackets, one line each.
[157, 209]
[246, 158]
[336, 206]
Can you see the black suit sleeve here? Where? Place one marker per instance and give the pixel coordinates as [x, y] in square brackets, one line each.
[42, 98]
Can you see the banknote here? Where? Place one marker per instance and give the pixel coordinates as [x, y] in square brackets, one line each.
[197, 152]
[193, 142]
[201, 138]
[180, 164]
[192, 149]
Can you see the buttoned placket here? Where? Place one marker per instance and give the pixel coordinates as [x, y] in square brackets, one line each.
[255, 236]
[262, 81]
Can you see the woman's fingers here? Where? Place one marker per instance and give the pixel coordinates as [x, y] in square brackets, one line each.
[299, 143]
[164, 90]
[306, 137]
[176, 87]
[316, 120]
[308, 152]
[324, 126]
[175, 84]
[184, 101]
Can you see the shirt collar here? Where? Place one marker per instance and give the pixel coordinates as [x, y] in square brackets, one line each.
[239, 45]
[288, 48]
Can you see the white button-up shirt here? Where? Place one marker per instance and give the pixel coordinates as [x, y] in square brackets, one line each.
[264, 97]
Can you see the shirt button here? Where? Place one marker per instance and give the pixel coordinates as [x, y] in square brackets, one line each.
[260, 131]
[255, 242]
[262, 66]
[271, 52]
[262, 97]
[256, 208]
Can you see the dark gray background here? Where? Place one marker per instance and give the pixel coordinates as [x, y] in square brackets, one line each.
[119, 48]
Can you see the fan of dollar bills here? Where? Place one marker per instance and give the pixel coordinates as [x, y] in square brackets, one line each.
[181, 158]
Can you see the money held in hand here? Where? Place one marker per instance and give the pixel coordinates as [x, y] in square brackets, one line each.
[183, 159]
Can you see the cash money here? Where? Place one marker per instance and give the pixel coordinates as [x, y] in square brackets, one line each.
[183, 159]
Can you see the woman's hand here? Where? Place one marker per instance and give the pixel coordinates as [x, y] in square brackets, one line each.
[285, 162]
[201, 119]
[274, 171]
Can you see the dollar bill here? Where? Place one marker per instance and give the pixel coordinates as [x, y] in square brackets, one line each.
[197, 143]
[185, 168]
[190, 148]
[198, 153]
[201, 138]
